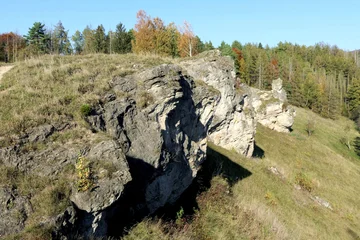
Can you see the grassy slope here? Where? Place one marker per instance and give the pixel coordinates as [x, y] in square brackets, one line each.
[53, 88]
[261, 206]
[268, 206]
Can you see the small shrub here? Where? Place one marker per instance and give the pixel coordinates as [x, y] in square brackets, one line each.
[179, 216]
[85, 110]
[304, 182]
[310, 127]
[83, 174]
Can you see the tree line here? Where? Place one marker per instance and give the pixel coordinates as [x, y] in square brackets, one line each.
[150, 35]
[322, 78]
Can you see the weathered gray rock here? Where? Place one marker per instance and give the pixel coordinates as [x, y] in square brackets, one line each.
[14, 210]
[231, 128]
[278, 91]
[165, 127]
[110, 173]
[109, 185]
[40, 133]
[160, 129]
[271, 107]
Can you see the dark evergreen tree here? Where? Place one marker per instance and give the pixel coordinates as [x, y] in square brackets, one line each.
[37, 38]
[237, 45]
[121, 40]
[353, 99]
[200, 46]
[100, 40]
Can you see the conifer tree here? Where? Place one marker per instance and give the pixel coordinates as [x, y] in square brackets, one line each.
[36, 38]
[100, 40]
[121, 42]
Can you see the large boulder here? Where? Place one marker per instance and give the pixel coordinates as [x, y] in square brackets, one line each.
[232, 127]
[271, 107]
[160, 132]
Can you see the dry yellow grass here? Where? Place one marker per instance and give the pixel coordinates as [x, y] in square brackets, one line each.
[53, 88]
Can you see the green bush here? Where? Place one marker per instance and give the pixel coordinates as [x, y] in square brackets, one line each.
[85, 110]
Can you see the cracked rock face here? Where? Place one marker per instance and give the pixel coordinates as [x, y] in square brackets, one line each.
[232, 128]
[160, 129]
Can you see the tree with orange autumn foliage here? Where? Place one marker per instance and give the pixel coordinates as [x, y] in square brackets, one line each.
[143, 34]
[151, 35]
[187, 42]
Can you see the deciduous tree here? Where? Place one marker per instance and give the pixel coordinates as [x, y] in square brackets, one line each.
[187, 41]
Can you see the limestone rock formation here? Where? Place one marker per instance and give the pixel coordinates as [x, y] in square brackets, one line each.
[231, 127]
[160, 129]
[155, 125]
[271, 107]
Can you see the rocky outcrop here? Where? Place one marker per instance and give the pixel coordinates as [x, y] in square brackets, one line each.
[160, 129]
[155, 125]
[231, 128]
[271, 107]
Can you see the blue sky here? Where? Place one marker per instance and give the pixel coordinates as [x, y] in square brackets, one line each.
[266, 21]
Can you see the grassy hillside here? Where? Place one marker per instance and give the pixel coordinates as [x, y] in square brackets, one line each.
[278, 203]
[54, 89]
[274, 196]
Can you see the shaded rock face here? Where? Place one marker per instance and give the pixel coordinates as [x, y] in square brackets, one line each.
[271, 107]
[232, 128]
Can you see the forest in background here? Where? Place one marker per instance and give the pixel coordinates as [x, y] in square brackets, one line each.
[322, 78]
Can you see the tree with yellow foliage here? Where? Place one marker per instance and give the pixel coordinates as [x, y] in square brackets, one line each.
[143, 34]
[187, 42]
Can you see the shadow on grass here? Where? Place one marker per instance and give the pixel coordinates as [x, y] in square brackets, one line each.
[131, 208]
[353, 234]
[258, 152]
[216, 164]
